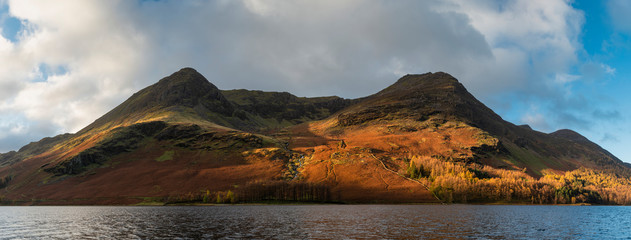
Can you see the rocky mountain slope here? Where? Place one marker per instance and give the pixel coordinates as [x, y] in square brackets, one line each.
[182, 139]
[439, 99]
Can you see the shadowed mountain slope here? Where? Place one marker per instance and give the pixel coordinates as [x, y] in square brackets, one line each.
[282, 109]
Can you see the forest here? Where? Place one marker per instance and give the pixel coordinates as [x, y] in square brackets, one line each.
[456, 182]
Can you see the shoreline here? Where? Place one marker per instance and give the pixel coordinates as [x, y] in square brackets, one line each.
[162, 204]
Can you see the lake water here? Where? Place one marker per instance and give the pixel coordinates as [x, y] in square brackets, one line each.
[318, 222]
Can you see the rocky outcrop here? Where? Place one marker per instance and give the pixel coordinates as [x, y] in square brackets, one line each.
[283, 106]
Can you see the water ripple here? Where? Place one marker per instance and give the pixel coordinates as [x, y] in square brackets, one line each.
[317, 222]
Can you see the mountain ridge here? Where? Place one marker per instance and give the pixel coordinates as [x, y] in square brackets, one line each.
[391, 146]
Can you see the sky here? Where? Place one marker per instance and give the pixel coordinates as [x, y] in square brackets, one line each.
[552, 64]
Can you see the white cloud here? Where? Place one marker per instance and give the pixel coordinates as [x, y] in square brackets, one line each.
[91, 39]
[535, 120]
[532, 41]
[109, 49]
[608, 69]
[312, 47]
[563, 78]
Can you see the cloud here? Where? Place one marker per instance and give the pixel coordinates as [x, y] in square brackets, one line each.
[535, 120]
[537, 58]
[594, 71]
[619, 12]
[88, 41]
[572, 120]
[75, 60]
[536, 38]
[609, 138]
[16, 130]
[349, 48]
[611, 115]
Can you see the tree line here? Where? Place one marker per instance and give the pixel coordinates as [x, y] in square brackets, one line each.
[456, 182]
[261, 191]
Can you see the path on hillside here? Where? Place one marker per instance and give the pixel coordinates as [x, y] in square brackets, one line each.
[410, 179]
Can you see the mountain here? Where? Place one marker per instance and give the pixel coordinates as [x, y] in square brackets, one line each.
[184, 96]
[431, 121]
[438, 101]
[423, 139]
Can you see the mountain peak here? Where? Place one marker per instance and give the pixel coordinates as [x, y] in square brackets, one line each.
[425, 82]
[428, 78]
[186, 69]
[184, 89]
[425, 77]
[570, 135]
[185, 75]
[418, 96]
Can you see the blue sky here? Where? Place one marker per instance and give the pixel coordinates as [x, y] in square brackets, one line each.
[552, 64]
[606, 38]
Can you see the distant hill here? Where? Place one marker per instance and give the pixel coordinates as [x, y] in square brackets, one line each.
[424, 139]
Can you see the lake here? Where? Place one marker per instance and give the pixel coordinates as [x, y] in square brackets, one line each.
[318, 222]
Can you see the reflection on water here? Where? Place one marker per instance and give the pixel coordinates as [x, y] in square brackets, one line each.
[318, 222]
